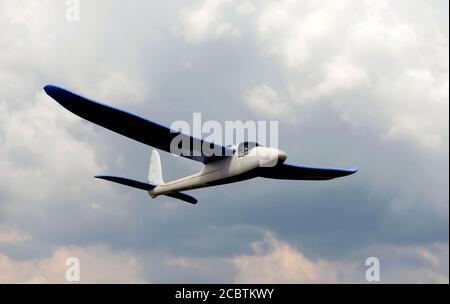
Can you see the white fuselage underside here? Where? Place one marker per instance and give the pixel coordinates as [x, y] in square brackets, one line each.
[230, 169]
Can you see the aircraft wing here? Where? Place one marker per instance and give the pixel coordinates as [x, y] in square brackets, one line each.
[135, 127]
[292, 172]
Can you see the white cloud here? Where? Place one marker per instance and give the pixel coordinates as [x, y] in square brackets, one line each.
[98, 264]
[397, 68]
[272, 261]
[205, 20]
[37, 131]
[40, 39]
[12, 236]
[124, 89]
[38, 151]
[334, 51]
[426, 263]
[277, 261]
[293, 30]
[339, 77]
[265, 100]
[380, 29]
[419, 108]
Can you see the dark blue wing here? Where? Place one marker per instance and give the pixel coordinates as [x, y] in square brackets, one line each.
[292, 172]
[135, 127]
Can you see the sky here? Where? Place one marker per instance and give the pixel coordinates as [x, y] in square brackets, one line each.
[352, 83]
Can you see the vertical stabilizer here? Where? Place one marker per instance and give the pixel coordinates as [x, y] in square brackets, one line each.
[154, 170]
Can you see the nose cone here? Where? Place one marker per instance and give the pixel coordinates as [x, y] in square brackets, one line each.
[282, 156]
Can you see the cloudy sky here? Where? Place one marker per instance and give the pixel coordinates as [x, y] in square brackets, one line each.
[352, 83]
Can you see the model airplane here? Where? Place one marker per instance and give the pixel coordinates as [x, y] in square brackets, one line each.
[227, 165]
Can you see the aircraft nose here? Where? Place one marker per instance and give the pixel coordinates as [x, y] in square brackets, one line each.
[282, 156]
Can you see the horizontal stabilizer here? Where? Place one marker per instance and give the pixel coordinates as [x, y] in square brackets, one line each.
[127, 182]
[184, 197]
[147, 187]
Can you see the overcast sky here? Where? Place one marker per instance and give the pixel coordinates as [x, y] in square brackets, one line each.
[352, 83]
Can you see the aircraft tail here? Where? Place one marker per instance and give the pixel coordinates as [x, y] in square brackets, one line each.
[154, 180]
[154, 170]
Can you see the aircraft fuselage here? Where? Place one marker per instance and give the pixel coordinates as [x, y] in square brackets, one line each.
[228, 170]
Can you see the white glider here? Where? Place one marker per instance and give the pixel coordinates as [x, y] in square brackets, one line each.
[225, 165]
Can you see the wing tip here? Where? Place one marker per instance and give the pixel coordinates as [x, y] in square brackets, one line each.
[51, 89]
[194, 201]
[352, 170]
[60, 95]
[347, 172]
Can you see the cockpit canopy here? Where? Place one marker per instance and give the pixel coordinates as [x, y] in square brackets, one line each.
[244, 147]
